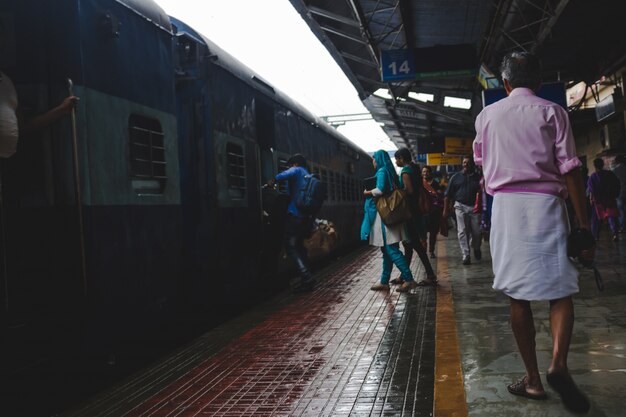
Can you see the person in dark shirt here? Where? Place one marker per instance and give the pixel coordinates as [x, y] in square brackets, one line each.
[461, 194]
[433, 219]
[604, 188]
[297, 225]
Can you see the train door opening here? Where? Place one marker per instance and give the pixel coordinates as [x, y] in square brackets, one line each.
[265, 138]
[41, 278]
[274, 202]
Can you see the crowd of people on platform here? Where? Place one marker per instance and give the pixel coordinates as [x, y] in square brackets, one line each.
[525, 171]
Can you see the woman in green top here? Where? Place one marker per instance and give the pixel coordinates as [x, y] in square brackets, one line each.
[411, 180]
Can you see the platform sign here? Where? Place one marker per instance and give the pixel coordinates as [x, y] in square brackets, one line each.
[443, 159]
[431, 62]
[458, 146]
[397, 64]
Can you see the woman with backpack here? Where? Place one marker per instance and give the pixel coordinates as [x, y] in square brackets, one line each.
[387, 238]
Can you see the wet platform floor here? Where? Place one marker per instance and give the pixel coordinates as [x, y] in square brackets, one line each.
[344, 350]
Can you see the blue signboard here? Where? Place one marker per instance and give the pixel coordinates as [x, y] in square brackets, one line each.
[397, 64]
[431, 62]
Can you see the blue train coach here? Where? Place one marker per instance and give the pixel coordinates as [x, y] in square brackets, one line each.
[158, 221]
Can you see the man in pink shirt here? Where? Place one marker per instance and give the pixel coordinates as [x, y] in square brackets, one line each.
[526, 148]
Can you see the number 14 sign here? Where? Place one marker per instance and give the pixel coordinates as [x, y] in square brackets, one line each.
[397, 64]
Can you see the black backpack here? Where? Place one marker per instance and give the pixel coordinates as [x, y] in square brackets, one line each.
[311, 196]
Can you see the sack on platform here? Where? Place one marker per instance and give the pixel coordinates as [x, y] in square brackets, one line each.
[393, 208]
[322, 241]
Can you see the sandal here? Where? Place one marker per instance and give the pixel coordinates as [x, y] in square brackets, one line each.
[380, 287]
[519, 388]
[572, 397]
[406, 286]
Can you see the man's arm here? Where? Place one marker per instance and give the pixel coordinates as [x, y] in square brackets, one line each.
[448, 200]
[408, 185]
[447, 204]
[30, 125]
[576, 190]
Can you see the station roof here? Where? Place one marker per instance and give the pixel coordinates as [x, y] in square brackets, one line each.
[577, 40]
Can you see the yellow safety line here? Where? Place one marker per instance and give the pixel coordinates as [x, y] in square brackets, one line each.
[449, 388]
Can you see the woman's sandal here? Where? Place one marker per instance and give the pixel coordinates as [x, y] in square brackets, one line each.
[407, 286]
[519, 388]
[380, 287]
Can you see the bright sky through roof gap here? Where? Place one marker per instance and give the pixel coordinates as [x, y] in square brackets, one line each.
[383, 93]
[421, 96]
[457, 103]
[271, 38]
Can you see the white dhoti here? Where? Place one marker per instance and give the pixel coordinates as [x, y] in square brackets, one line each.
[529, 247]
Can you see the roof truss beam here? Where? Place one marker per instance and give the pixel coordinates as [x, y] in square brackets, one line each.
[333, 16]
[344, 35]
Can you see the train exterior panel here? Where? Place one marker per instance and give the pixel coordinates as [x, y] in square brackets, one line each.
[175, 140]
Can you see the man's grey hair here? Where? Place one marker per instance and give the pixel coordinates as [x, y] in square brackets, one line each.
[521, 69]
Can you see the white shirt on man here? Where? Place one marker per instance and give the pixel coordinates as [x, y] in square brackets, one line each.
[9, 132]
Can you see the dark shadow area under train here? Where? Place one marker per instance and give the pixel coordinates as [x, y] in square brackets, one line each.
[79, 363]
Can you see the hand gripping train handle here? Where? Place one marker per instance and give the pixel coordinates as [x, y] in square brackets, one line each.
[77, 192]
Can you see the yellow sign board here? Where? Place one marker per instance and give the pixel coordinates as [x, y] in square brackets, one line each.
[443, 159]
[458, 146]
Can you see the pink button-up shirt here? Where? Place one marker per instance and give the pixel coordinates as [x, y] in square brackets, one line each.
[525, 144]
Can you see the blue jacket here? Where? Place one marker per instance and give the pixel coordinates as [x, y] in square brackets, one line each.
[295, 177]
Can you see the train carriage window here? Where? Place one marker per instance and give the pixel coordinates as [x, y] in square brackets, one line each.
[236, 171]
[147, 155]
[344, 188]
[332, 186]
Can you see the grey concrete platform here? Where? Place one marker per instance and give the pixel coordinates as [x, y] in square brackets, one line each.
[490, 361]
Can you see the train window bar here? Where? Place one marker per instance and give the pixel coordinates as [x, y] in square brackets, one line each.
[236, 171]
[148, 167]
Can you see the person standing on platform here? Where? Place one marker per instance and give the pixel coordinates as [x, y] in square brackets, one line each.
[298, 225]
[604, 188]
[411, 182]
[620, 172]
[387, 238]
[526, 148]
[461, 194]
[433, 219]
